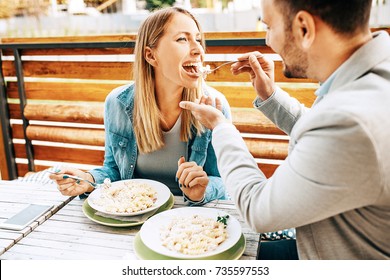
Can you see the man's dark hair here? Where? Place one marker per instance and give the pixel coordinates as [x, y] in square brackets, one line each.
[343, 16]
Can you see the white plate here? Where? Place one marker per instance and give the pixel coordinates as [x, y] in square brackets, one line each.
[150, 230]
[163, 194]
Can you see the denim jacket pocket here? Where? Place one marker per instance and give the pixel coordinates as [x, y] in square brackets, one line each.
[120, 147]
[118, 141]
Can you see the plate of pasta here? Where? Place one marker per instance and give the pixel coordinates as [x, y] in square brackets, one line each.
[190, 232]
[129, 197]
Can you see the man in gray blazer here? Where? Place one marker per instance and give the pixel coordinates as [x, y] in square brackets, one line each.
[334, 186]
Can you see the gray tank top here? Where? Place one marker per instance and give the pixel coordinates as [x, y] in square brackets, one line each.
[161, 165]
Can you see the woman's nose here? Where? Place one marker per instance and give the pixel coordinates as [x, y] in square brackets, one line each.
[197, 49]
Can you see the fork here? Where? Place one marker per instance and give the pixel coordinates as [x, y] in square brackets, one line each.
[79, 179]
[208, 70]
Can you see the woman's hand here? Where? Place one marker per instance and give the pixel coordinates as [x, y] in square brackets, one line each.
[192, 178]
[71, 187]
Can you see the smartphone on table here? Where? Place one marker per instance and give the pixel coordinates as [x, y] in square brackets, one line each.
[25, 217]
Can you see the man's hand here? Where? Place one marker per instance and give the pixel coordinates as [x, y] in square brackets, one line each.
[208, 115]
[261, 72]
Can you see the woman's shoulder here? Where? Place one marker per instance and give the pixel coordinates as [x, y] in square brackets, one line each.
[122, 93]
[119, 103]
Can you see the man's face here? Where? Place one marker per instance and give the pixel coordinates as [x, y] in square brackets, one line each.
[282, 41]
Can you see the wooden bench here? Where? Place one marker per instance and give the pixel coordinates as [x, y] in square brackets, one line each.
[53, 91]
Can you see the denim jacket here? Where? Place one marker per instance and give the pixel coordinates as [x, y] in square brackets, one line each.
[121, 147]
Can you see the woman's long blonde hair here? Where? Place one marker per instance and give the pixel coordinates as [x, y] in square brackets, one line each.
[147, 116]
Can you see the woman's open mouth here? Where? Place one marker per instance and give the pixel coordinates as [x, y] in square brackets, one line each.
[192, 69]
[197, 69]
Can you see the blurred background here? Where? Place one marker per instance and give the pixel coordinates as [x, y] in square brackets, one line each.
[32, 18]
[45, 18]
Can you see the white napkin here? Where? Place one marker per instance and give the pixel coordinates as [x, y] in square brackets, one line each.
[135, 219]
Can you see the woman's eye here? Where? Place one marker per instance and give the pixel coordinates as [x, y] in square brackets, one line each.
[182, 39]
[199, 40]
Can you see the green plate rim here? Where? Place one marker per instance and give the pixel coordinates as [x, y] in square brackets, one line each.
[145, 253]
[89, 212]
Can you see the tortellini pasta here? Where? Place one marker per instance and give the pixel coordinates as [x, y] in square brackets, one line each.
[128, 198]
[193, 235]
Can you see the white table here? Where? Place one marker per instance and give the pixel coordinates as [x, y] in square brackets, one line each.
[14, 196]
[68, 234]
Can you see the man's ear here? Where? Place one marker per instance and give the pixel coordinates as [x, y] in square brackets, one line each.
[304, 29]
[149, 56]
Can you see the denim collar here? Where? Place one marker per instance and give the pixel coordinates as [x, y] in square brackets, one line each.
[127, 99]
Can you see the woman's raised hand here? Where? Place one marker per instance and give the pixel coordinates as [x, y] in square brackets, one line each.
[192, 179]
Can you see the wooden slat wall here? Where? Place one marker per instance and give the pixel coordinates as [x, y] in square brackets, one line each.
[84, 113]
[70, 95]
[239, 96]
[122, 71]
[89, 92]
[63, 154]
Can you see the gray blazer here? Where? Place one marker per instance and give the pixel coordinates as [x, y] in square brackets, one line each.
[334, 187]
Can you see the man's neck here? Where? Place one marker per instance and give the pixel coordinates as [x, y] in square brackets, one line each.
[338, 49]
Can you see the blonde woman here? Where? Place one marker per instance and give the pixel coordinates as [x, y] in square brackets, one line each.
[147, 134]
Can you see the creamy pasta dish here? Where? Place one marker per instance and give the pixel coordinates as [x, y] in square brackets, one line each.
[193, 235]
[128, 198]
